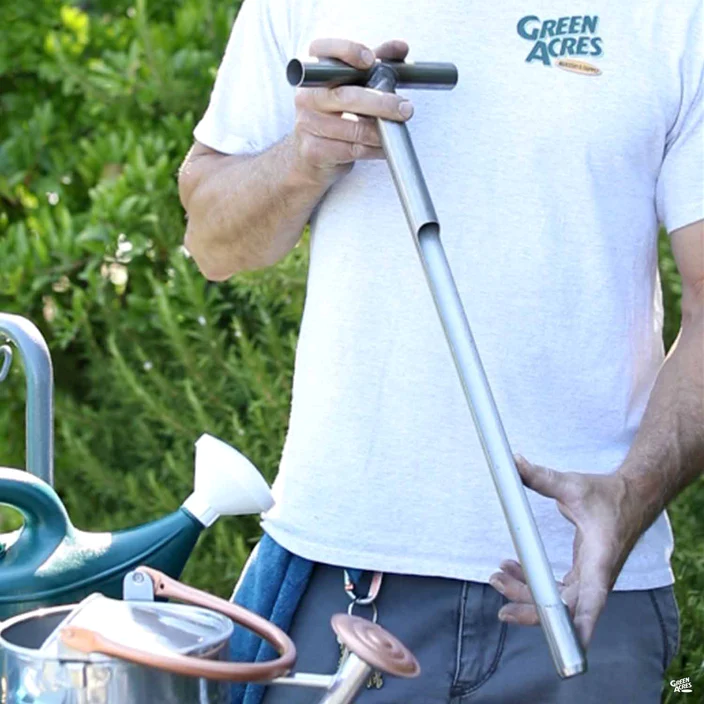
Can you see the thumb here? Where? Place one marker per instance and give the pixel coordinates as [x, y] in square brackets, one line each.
[546, 482]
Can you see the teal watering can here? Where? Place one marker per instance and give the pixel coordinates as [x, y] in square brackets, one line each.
[48, 561]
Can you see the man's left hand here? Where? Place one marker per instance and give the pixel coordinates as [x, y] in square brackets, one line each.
[608, 523]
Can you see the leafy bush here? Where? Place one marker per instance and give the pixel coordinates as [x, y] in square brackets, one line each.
[97, 105]
[98, 110]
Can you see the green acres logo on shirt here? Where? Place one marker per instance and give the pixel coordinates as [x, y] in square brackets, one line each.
[563, 41]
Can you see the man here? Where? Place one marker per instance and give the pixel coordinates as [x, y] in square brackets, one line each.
[565, 144]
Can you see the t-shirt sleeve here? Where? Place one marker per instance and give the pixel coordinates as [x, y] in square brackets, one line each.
[680, 185]
[252, 104]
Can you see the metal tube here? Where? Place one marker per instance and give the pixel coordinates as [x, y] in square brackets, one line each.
[403, 162]
[40, 393]
[564, 646]
[303, 679]
[349, 680]
[331, 72]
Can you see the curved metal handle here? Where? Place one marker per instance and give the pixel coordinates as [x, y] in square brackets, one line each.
[34, 352]
[6, 354]
[46, 522]
[87, 641]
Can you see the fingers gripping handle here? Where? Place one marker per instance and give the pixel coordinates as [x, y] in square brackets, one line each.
[87, 641]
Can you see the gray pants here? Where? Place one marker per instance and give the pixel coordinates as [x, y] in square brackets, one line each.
[468, 656]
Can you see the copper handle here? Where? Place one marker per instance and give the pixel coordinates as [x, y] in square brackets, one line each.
[87, 641]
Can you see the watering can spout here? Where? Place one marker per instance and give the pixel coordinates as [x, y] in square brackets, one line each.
[226, 484]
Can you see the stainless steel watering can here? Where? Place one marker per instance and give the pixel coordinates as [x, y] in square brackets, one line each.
[139, 651]
[49, 561]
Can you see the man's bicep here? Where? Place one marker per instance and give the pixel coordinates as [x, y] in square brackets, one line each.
[688, 251]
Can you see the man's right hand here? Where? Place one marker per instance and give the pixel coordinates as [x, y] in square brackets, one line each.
[337, 126]
[247, 211]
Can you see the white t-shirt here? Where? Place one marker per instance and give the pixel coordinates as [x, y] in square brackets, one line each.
[549, 184]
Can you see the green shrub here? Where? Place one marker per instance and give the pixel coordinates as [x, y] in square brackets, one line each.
[97, 106]
[98, 111]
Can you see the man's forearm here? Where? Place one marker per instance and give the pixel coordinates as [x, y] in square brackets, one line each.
[668, 451]
[245, 212]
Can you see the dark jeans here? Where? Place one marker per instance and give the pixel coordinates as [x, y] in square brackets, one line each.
[468, 656]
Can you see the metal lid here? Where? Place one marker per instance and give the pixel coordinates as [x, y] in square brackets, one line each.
[157, 627]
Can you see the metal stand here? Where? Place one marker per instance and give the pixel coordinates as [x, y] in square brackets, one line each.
[424, 225]
[40, 392]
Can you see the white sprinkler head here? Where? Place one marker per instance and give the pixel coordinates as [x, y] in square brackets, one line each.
[227, 483]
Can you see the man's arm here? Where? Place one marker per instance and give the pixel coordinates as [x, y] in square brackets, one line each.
[668, 451]
[246, 212]
[611, 511]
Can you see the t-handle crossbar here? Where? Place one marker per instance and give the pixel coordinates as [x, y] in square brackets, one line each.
[555, 620]
[331, 72]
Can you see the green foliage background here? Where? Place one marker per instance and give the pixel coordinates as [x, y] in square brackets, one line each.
[97, 106]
